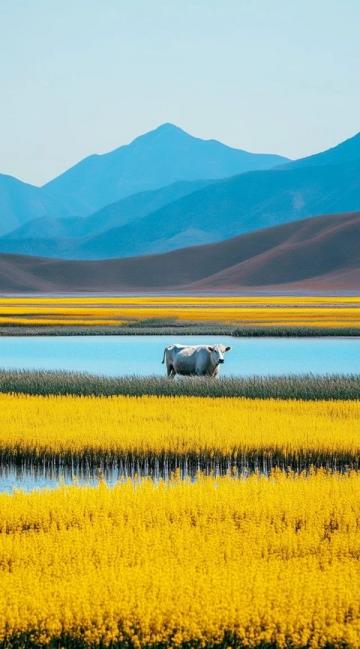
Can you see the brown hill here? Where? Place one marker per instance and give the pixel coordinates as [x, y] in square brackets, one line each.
[320, 254]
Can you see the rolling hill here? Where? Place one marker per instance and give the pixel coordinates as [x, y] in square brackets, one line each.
[161, 157]
[320, 253]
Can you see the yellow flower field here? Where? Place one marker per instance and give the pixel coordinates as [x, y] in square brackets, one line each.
[105, 428]
[339, 312]
[262, 562]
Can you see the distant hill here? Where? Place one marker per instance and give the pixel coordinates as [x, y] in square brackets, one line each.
[57, 230]
[347, 151]
[161, 157]
[21, 202]
[321, 253]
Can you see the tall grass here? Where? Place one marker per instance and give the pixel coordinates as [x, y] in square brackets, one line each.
[161, 328]
[166, 328]
[305, 387]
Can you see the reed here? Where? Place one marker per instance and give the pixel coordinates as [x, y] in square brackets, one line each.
[165, 327]
[308, 387]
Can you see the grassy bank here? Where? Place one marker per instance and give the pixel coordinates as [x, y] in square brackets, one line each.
[141, 329]
[165, 328]
[307, 387]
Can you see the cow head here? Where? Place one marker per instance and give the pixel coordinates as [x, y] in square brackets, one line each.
[217, 353]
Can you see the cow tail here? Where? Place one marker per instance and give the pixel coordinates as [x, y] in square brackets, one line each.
[163, 360]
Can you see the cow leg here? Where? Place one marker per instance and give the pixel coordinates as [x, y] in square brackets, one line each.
[170, 370]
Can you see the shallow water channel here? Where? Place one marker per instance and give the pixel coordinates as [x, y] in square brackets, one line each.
[142, 355]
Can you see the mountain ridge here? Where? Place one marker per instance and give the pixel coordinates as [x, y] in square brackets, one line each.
[183, 213]
[346, 151]
[215, 212]
[160, 157]
[119, 213]
[218, 211]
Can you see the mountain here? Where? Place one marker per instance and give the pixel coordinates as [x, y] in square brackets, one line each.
[115, 214]
[218, 211]
[227, 208]
[21, 202]
[321, 253]
[186, 213]
[347, 151]
[161, 157]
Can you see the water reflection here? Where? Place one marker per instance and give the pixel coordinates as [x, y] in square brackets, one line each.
[28, 477]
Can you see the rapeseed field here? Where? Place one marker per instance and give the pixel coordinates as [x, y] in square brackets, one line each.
[314, 312]
[266, 561]
[262, 562]
[196, 431]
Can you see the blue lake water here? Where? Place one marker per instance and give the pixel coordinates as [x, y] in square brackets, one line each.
[142, 355]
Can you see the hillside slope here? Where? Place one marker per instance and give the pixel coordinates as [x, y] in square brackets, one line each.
[318, 253]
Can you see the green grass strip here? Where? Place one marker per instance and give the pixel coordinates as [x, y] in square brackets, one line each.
[307, 387]
[184, 329]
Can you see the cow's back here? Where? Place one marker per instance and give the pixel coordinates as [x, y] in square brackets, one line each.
[192, 360]
[185, 359]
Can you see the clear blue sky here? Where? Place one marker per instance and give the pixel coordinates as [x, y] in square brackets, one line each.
[84, 76]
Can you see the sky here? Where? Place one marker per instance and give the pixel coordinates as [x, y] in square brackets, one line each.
[84, 76]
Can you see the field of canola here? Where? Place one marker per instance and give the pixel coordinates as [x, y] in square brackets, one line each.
[262, 562]
[198, 431]
[315, 312]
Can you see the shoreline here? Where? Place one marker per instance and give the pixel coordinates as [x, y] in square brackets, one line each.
[171, 330]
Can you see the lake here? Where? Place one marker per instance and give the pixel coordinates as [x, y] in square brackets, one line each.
[142, 355]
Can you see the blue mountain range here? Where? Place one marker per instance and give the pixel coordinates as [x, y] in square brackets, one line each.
[168, 190]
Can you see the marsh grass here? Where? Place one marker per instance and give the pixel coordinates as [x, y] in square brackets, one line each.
[308, 387]
[160, 327]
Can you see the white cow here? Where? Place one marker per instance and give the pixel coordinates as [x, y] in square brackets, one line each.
[198, 360]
